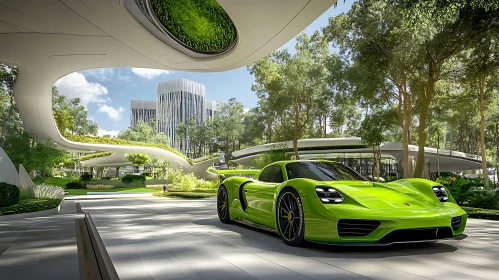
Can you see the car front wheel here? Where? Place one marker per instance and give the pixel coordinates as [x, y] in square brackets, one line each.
[290, 222]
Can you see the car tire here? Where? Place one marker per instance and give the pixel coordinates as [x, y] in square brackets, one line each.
[290, 221]
[223, 205]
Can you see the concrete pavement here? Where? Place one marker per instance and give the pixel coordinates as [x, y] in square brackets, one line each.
[162, 238]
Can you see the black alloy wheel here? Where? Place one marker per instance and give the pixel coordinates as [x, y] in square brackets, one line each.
[290, 222]
[223, 205]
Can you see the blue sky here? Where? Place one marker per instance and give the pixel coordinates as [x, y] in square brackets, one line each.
[107, 92]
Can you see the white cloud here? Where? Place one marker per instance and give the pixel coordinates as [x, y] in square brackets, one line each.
[114, 114]
[76, 85]
[102, 132]
[246, 110]
[150, 73]
[100, 74]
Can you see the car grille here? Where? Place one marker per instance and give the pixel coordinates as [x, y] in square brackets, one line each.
[455, 222]
[347, 227]
[419, 234]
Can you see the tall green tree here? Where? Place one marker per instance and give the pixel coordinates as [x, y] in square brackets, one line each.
[144, 132]
[291, 84]
[138, 159]
[228, 126]
[71, 115]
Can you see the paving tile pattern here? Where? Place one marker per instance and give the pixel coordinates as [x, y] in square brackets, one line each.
[39, 248]
[158, 238]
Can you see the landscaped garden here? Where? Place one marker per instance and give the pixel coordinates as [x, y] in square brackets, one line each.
[14, 200]
[478, 198]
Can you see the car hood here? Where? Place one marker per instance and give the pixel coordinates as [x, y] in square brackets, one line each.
[384, 195]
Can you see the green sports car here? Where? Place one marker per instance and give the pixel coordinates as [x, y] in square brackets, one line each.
[325, 201]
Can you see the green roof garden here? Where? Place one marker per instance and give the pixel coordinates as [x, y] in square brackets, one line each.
[199, 25]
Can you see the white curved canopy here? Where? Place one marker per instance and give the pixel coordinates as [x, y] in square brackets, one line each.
[49, 39]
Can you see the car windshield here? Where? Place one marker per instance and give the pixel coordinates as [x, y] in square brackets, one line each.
[321, 171]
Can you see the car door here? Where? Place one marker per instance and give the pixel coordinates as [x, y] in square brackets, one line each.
[260, 194]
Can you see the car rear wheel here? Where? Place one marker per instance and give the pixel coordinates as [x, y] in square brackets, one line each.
[223, 205]
[290, 222]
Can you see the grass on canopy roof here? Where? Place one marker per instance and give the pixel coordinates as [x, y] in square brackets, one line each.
[202, 25]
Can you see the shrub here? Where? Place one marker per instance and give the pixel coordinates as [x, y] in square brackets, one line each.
[105, 178]
[9, 194]
[86, 176]
[114, 183]
[47, 191]
[186, 195]
[484, 199]
[118, 141]
[75, 185]
[482, 213]
[188, 182]
[129, 178]
[157, 182]
[100, 187]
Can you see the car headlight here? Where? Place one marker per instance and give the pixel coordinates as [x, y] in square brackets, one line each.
[329, 195]
[440, 193]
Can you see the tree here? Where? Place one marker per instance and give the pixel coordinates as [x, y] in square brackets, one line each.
[8, 76]
[64, 121]
[138, 159]
[292, 83]
[371, 133]
[199, 135]
[156, 162]
[45, 156]
[410, 44]
[254, 128]
[228, 125]
[481, 67]
[143, 132]
[71, 115]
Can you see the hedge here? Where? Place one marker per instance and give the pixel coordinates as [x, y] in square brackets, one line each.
[186, 195]
[74, 185]
[123, 142]
[482, 213]
[9, 194]
[128, 178]
[201, 25]
[30, 205]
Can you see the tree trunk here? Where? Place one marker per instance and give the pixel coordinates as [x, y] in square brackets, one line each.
[408, 173]
[482, 130]
[297, 131]
[373, 170]
[426, 98]
[418, 170]
[117, 174]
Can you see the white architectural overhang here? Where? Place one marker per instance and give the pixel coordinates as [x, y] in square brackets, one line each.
[52, 38]
[445, 159]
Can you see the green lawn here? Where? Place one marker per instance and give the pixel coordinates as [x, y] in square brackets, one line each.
[55, 181]
[138, 189]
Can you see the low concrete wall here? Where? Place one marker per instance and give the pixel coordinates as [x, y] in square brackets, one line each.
[49, 212]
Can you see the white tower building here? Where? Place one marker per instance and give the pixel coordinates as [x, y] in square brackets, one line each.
[142, 110]
[177, 101]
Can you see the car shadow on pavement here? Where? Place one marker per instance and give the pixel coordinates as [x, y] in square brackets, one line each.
[260, 238]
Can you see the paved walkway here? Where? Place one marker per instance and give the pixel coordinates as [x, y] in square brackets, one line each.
[161, 238]
[40, 248]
